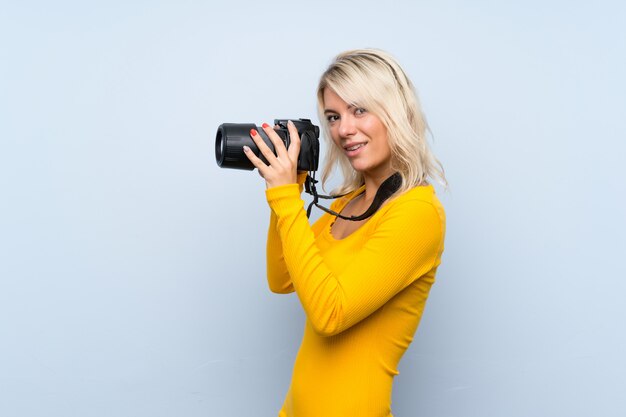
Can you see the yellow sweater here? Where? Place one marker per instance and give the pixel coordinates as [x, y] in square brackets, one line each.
[363, 297]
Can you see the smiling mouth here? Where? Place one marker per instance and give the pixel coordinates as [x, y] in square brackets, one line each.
[355, 147]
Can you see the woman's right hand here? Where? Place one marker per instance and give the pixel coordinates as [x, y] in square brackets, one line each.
[282, 166]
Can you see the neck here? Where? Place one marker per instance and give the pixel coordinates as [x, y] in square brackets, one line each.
[372, 184]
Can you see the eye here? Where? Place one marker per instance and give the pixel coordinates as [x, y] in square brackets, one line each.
[332, 118]
[360, 111]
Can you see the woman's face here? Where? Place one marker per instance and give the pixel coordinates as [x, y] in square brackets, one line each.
[361, 136]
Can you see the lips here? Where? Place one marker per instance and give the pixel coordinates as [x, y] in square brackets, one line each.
[353, 146]
[353, 149]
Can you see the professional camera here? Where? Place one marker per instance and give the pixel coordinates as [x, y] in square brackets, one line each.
[232, 137]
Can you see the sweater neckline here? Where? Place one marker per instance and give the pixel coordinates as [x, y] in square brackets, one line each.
[351, 196]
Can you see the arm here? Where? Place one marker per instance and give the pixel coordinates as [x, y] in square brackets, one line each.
[278, 277]
[405, 244]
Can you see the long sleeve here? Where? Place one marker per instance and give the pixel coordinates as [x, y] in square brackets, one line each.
[278, 278]
[405, 244]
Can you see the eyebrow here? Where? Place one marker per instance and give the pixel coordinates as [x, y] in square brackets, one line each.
[350, 106]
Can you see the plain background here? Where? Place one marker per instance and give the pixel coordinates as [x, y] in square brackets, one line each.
[132, 267]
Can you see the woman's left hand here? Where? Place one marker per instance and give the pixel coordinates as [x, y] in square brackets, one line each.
[282, 166]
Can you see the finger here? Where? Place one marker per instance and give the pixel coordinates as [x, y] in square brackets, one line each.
[256, 161]
[294, 146]
[262, 146]
[279, 145]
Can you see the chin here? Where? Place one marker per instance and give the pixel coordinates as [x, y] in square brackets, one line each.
[360, 169]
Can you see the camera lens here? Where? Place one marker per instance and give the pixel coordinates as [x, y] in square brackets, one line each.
[219, 147]
[229, 142]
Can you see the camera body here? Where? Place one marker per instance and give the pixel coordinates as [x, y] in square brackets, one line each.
[232, 137]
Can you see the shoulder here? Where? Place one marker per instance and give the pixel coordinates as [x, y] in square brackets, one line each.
[417, 207]
[417, 196]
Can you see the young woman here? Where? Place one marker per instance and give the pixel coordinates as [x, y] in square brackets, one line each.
[362, 283]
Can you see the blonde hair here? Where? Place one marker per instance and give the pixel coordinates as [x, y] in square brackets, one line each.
[373, 79]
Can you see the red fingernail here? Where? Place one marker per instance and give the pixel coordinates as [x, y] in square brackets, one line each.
[253, 132]
[265, 125]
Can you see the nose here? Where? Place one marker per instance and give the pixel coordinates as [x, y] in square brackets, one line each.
[347, 127]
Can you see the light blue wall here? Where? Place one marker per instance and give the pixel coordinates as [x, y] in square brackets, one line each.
[132, 267]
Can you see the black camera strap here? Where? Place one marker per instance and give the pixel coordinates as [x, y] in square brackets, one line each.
[386, 190]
